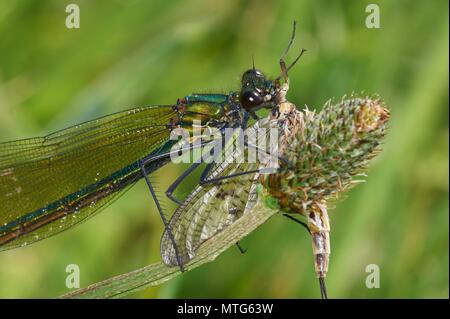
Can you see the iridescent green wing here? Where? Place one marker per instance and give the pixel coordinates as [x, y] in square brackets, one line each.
[49, 184]
[210, 208]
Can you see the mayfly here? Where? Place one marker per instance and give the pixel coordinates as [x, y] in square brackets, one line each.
[220, 201]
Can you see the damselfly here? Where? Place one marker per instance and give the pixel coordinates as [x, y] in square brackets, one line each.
[49, 184]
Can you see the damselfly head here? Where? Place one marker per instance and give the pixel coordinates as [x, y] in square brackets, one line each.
[256, 91]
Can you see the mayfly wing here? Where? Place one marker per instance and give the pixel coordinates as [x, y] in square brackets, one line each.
[210, 208]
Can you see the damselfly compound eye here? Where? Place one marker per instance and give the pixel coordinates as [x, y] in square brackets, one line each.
[253, 78]
[251, 99]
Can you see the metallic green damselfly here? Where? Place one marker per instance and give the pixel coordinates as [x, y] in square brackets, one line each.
[49, 184]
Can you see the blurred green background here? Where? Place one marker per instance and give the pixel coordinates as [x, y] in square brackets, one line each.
[134, 52]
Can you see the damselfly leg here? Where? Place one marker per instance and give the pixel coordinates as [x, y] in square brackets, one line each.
[142, 164]
[161, 214]
[205, 180]
[178, 181]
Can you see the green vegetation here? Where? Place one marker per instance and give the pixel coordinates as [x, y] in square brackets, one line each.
[130, 53]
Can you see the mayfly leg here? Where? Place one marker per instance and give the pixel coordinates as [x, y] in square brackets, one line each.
[241, 249]
[322, 285]
[298, 221]
[285, 69]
